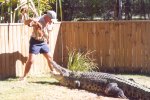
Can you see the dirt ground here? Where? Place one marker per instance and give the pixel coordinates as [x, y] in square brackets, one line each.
[46, 88]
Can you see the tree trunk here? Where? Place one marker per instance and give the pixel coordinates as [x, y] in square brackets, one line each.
[118, 10]
[128, 15]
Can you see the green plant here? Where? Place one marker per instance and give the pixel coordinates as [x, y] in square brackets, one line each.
[78, 61]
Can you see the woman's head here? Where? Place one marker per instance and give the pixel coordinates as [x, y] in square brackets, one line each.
[50, 16]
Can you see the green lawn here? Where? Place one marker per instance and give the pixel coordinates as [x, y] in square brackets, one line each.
[46, 88]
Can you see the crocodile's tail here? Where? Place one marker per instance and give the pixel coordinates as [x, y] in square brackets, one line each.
[134, 91]
[137, 93]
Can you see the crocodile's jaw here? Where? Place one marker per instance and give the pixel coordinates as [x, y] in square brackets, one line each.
[58, 77]
[62, 71]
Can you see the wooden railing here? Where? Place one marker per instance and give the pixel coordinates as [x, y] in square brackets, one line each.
[120, 46]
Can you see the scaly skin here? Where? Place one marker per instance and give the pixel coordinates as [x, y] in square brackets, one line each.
[99, 82]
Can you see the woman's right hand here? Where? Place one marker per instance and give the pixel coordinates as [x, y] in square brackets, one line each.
[31, 23]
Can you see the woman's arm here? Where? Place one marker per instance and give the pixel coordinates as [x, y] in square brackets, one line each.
[35, 24]
[28, 21]
[32, 23]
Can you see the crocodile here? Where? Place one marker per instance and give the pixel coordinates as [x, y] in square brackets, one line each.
[99, 82]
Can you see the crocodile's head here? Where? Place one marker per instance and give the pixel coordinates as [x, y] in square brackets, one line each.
[63, 72]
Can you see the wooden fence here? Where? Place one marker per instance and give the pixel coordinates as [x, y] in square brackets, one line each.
[14, 44]
[120, 46]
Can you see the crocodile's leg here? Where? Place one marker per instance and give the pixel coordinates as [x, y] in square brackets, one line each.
[112, 89]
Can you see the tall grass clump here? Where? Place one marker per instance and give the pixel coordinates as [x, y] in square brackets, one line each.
[78, 61]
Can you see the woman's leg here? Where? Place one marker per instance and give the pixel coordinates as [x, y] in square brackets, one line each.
[49, 59]
[28, 65]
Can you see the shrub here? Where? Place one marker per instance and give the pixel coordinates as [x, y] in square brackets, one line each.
[78, 61]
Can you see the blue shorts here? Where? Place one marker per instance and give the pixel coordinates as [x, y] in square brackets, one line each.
[37, 47]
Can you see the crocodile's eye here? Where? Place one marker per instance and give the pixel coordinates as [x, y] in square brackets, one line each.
[77, 83]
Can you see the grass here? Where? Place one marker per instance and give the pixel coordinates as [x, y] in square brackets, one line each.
[39, 88]
[12, 89]
[47, 88]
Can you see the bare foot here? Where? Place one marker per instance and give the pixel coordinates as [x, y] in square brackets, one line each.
[22, 79]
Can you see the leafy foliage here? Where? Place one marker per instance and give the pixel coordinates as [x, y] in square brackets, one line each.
[43, 5]
[105, 9]
[8, 7]
[68, 10]
[2, 0]
[81, 61]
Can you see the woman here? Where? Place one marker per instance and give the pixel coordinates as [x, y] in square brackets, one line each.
[39, 40]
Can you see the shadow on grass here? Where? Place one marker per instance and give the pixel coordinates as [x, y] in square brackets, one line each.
[12, 79]
[47, 82]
